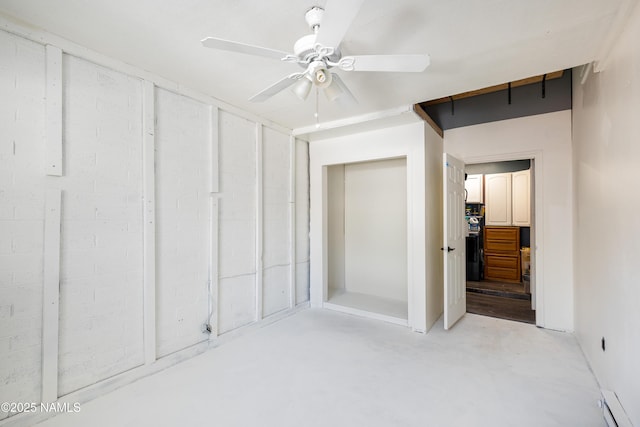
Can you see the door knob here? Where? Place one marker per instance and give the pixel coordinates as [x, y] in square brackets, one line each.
[449, 249]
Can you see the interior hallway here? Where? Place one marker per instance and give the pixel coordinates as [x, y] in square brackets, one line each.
[324, 368]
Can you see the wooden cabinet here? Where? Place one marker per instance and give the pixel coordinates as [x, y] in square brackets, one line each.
[498, 199]
[502, 254]
[521, 198]
[474, 188]
[508, 199]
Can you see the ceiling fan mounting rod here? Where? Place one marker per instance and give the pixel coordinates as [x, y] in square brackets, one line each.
[313, 17]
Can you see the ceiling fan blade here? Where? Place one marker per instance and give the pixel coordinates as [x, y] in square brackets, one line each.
[392, 63]
[345, 97]
[247, 49]
[278, 86]
[337, 18]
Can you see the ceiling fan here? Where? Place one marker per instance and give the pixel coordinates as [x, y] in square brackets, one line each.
[318, 53]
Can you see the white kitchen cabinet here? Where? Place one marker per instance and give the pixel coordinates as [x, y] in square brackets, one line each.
[474, 187]
[521, 198]
[498, 199]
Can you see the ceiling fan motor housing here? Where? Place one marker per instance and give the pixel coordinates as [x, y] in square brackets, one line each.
[305, 47]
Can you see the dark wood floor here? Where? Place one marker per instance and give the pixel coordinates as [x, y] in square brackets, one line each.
[497, 286]
[503, 300]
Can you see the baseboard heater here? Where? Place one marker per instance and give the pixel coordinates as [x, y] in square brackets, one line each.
[612, 410]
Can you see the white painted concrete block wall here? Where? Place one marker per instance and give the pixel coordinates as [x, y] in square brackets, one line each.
[302, 221]
[22, 181]
[237, 244]
[102, 242]
[182, 220]
[277, 255]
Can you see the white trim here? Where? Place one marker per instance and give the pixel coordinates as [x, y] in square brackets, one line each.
[414, 305]
[585, 72]
[149, 218]
[214, 249]
[365, 313]
[51, 295]
[537, 224]
[39, 36]
[292, 221]
[259, 223]
[214, 138]
[318, 295]
[612, 410]
[368, 119]
[214, 282]
[53, 150]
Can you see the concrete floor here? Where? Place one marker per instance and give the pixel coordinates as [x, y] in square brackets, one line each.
[324, 368]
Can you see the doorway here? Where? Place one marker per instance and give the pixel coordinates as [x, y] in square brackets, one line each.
[499, 218]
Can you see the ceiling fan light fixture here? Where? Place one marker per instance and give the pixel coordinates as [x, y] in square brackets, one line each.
[320, 74]
[333, 91]
[302, 88]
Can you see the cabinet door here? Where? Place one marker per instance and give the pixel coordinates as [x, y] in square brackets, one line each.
[498, 199]
[521, 198]
[473, 186]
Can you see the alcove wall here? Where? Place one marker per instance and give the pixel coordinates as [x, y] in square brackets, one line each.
[367, 236]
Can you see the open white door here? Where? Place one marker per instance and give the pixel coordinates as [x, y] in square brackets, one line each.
[454, 247]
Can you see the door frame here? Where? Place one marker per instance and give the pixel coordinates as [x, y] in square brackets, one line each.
[537, 219]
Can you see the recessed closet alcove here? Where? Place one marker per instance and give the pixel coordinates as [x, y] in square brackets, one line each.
[367, 236]
[376, 221]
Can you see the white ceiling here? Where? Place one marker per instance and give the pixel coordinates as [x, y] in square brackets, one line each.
[472, 44]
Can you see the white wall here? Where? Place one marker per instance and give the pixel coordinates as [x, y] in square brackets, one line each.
[344, 146]
[22, 91]
[238, 182]
[547, 138]
[101, 246]
[433, 148]
[182, 220]
[206, 250]
[277, 256]
[301, 199]
[606, 134]
[375, 228]
[335, 230]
